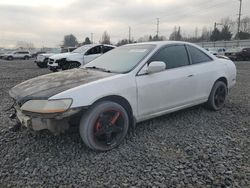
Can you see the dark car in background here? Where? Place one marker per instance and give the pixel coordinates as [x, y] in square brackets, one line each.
[238, 54]
[37, 53]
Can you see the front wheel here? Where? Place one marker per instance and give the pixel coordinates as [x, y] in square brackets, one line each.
[26, 57]
[104, 126]
[70, 65]
[217, 97]
[10, 58]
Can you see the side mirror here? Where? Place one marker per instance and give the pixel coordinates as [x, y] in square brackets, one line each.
[156, 66]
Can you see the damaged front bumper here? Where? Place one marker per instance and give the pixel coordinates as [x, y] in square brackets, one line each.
[56, 123]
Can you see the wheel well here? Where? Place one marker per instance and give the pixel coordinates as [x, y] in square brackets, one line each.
[223, 79]
[124, 103]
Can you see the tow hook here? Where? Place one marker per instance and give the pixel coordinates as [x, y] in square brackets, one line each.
[12, 116]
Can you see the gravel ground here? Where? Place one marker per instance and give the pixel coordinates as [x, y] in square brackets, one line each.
[190, 148]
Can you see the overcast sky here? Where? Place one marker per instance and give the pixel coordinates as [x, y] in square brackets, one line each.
[45, 22]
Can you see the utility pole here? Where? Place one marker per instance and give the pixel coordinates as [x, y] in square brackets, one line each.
[92, 38]
[215, 25]
[157, 27]
[238, 31]
[129, 34]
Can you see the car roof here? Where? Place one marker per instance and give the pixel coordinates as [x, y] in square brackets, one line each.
[161, 43]
[21, 51]
[93, 45]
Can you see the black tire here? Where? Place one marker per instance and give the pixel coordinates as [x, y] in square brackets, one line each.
[10, 58]
[104, 126]
[73, 65]
[42, 64]
[39, 64]
[26, 57]
[70, 65]
[53, 69]
[217, 97]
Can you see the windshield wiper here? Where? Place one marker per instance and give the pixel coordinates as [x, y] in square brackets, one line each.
[98, 68]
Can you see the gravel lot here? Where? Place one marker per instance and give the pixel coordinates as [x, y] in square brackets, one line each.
[190, 148]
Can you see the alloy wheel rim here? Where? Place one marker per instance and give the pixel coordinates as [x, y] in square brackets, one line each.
[108, 127]
[220, 96]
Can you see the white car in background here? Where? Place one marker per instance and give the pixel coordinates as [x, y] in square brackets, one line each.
[217, 51]
[21, 54]
[127, 85]
[78, 57]
[42, 59]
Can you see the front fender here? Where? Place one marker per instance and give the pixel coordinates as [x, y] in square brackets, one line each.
[85, 95]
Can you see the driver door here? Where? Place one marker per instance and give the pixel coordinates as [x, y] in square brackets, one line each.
[169, 89]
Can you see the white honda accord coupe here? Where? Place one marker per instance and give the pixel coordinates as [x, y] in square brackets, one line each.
[127, 85]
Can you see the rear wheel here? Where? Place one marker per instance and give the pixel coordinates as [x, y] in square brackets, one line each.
[10, 58]
[104, 126]
[217, 97]
[26, 57]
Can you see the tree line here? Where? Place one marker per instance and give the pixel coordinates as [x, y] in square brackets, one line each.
[225, 30]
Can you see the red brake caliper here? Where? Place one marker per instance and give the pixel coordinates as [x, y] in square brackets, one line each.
[115, 117]
[98, 126]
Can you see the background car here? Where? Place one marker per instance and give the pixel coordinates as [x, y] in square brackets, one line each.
[217, 51]
[35, 54]
[127, 85]
[42, 59]
[67, 49]
[22, 54]
[238, 54]
[78, 57]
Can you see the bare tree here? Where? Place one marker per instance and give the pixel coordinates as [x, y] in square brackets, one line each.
[196, 32]
[205, 35]
[105, 38]
[245, 25]
[176, 34]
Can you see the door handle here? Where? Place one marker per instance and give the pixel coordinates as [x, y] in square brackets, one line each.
[191, 75]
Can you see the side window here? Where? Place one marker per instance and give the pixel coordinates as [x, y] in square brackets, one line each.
[107, 48]
[197, 56]
[94, 50]
[173, 56]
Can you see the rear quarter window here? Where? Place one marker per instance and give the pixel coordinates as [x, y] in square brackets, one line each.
[197, 56]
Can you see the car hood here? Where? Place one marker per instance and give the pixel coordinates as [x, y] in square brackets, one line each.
[48, 54]
[60, 56]
[43, 87]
